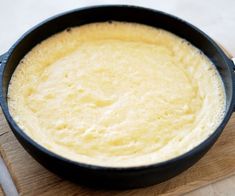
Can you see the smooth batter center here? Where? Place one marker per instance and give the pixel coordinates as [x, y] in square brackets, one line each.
[117, 94]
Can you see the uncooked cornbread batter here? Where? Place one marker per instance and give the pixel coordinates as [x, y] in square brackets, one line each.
[116, 94]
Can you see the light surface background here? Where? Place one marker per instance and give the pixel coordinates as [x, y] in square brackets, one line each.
[214, 17]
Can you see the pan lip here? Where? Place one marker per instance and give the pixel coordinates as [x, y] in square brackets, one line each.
[27, 139]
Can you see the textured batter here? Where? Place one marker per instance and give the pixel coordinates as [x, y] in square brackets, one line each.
[116, 94]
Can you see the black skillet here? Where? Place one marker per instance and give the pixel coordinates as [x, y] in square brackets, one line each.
[108, 177]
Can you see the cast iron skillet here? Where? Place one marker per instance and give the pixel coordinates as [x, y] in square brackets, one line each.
[107, 177]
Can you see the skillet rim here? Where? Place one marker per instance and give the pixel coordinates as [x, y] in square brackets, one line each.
[197, 149]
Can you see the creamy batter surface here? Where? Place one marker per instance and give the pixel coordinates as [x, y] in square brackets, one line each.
[116, 94]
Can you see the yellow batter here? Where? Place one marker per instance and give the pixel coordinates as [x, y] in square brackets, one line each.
[116, 94]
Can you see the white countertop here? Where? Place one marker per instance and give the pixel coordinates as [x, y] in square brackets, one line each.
[214, 17]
